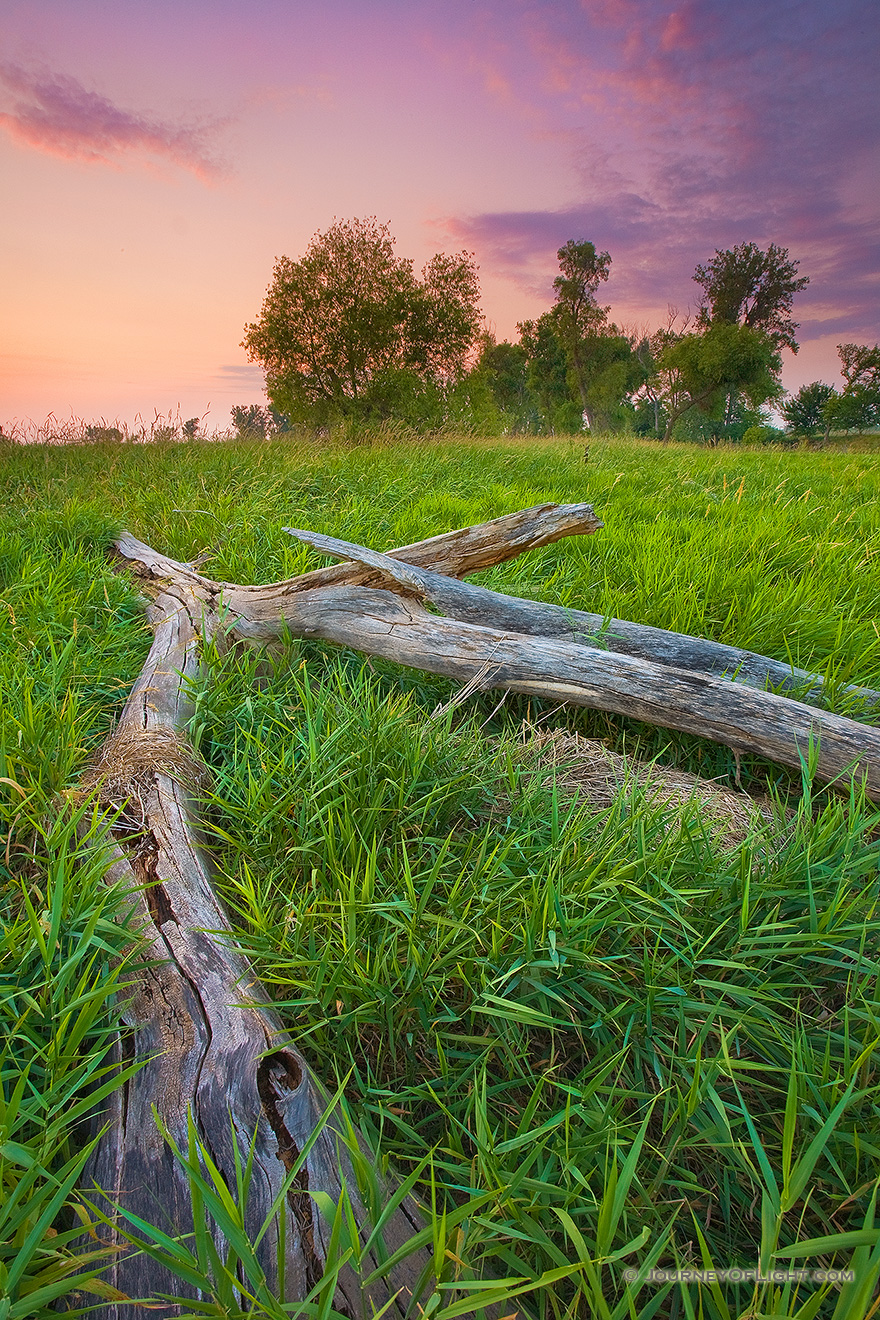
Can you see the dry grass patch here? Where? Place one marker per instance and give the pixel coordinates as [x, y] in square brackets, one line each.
[125, 763]
[585, 767]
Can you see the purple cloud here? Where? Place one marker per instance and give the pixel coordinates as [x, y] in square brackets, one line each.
[698, 127]
[55, 114]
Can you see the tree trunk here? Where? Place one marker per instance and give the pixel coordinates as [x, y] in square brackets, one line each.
[210, 1043]
[762, 723]
[472, 604]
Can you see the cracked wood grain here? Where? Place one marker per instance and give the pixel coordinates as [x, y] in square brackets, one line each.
[748, 721]
[473, 604]
[211, 1044]
[208, 1037]
[209, 1041]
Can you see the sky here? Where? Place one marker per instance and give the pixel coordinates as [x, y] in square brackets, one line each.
[156, 158]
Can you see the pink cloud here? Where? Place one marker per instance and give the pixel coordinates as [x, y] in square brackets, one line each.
[55, 114]
[696, 125]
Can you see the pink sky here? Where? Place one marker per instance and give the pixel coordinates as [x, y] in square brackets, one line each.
[157, 157]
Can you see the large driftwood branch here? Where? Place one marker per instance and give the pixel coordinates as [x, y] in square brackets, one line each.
[458, 553]
[211, 1041]
[382, 623]
[206, 1034]
[253, 612]
[472, 604]
[735, 715]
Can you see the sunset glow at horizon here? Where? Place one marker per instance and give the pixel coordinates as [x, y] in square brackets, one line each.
[157, 158]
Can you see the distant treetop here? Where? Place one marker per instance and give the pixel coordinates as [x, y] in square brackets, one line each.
[746, 286]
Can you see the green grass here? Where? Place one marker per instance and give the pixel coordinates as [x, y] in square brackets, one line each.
[599, 1041]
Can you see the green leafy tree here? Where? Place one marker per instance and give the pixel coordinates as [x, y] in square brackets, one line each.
[647, 402]
[547, 375]
[860, 367]
[857, 406]
[747, 286]
[251, 421]
[581, 366]
[805, 412]
[577, 316]
[350, 331]
[661, 391]
[504, 368]
[704, 369]
[614, 372]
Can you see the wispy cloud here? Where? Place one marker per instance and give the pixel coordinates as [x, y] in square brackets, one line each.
[54, 113]
[240, 373]
[699, 126]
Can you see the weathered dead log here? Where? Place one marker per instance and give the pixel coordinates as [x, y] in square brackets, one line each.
[382, 623]
[457, 553]
[454, 555]
[210, 1041]
[472, 604]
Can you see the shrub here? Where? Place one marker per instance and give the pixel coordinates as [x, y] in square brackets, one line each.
[100, 432]
[762, 435]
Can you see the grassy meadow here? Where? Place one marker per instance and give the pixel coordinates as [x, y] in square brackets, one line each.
[600, 1040]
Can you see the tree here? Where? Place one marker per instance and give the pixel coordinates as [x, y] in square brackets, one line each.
[857, 407]
[860, 367]
[703, 370]
[577, 316]
[804, 412]
[341, 324]
[660, 389]
[581, 366]
[614, 371]
[746, 286]
[505, 367]
[548, 376]
[251, 421]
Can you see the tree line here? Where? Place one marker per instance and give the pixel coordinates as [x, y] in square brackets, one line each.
[350, 335]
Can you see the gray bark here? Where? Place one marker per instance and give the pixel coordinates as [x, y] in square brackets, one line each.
[472, 604]
[382, 623]
[210, 1041]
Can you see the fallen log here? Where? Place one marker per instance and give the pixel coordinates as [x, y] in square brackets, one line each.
[472, 604]
[748, 721]
[457, 553]
[208, 1040]
[377, 622]
[259, 609]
